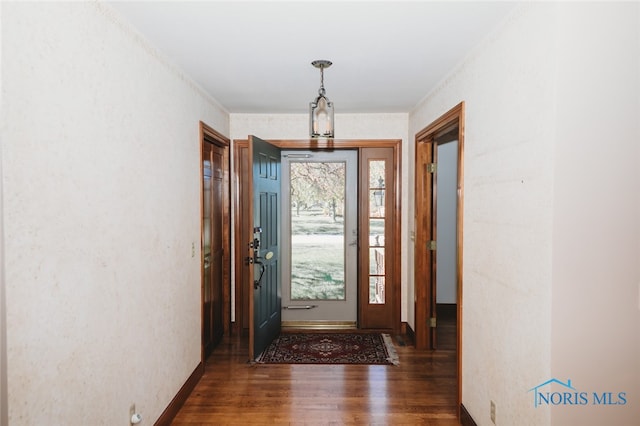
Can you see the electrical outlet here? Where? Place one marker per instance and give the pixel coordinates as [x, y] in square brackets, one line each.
[493, 412]
[132, 411]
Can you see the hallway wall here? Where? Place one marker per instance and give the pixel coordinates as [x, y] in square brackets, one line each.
[508, 85]
[3, 312]
[595, 338]
[101, 207]
[551, 238]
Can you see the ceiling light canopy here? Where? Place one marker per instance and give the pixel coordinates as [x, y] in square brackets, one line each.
[321, 109]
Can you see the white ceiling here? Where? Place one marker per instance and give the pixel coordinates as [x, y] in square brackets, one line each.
[255, 56]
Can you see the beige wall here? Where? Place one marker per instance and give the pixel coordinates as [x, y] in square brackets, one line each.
[507, 218]
[101, 207]
[550, 271]
[595, 338]
[3, 317]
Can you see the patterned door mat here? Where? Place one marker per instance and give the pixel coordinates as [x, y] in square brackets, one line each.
[330, 348]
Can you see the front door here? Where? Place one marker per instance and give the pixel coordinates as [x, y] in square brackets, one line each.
[264, 249]
[320, 244]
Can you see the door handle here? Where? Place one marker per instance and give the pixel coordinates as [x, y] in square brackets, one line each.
[300, 307]
[258, 261]
[258, 283]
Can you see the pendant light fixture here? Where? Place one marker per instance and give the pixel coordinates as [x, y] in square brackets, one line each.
[321, 109]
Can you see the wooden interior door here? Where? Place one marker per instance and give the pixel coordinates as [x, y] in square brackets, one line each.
[425, 245]
[264, 249]
[212, 245]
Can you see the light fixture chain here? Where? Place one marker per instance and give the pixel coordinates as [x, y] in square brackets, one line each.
[321, 91]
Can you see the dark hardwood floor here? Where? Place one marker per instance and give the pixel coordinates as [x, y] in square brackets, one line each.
[419, 391]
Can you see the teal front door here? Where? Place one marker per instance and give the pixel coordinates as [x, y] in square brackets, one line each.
[265, 246]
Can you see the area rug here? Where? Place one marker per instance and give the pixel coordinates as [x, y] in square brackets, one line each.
[330, 348]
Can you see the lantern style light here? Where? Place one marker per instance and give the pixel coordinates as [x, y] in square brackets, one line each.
[321, 109]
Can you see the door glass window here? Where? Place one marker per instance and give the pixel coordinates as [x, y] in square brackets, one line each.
[377, 195]
[317, 230]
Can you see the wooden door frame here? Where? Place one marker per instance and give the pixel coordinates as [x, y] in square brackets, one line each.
[209, 135]
[241, 201]
[371, 315]
[424, 142]
[240, 150]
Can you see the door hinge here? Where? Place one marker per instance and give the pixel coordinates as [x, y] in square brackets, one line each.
[431, 167]
[432, 322]
[431, 245]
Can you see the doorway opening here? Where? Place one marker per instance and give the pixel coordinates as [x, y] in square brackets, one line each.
[379, 313]
[438, 233]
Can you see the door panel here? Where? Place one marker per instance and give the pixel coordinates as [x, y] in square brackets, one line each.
[243, 229]
[433, 250]
[425, 287]
[320, 238]
[212, 245]
[264, 250]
